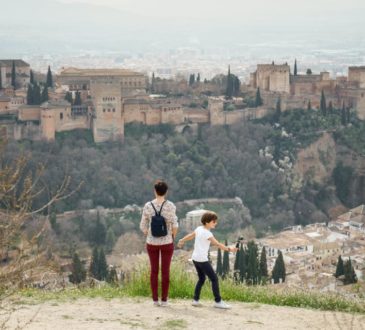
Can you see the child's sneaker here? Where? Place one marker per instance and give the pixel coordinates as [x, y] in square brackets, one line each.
[156, 303]
[196, 303]
[164, 304]
[221, 305]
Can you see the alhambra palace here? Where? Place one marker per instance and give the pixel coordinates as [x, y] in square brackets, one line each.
[112, 98]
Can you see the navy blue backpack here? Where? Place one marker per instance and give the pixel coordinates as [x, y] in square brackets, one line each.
[158, 223]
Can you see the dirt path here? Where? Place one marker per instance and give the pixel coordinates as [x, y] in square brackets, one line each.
[136, 313]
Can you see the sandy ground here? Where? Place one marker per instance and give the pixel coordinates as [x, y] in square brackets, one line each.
[141, 314]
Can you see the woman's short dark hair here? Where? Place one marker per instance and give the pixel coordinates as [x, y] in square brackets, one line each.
[161, 187]
[208, 217]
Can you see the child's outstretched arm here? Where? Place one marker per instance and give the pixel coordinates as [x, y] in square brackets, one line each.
[188, 237]
[222, 246]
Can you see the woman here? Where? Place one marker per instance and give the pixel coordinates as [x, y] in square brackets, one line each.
[159, 243]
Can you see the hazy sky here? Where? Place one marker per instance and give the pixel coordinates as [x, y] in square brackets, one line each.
[144, 24]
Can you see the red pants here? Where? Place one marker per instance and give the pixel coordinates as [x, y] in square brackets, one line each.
[154, 252]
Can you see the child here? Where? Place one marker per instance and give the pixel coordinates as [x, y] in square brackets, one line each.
[203, 238]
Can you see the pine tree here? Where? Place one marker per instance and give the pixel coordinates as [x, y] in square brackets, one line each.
[78, 273]
[102, 266]
[343, 114]
[110, 239]
[44, 96]
[225, 268]
[31, 78]
[94, 264]
[295, 68]
[13, 75]
[279, 271]
[263, 264]
[323, 106]
[258, 101]
[339, 267]
[30, 92]
[49, 78]
[219, 269]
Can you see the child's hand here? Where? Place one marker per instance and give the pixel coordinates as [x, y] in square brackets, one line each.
[180, 244]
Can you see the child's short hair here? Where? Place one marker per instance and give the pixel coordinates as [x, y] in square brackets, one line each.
[208, 217]
[161, 187]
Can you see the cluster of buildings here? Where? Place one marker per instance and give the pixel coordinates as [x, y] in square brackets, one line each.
[112, 98]
[311, 252]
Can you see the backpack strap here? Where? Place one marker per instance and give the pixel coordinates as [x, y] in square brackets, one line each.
[158, 213]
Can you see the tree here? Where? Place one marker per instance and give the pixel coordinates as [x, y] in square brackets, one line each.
[330, 107]
[198, 78]
[31, 78]
[258, 101]
[295, 68]
[323, 106]
[229, 86]
[112, 276]
[30, 93]
[219, 269]
[236, 267]
[68, 97]
[243, 264]
[1, 79]
[192, 79]
[279, 271]
[102, 266]
[110, 239]
[78, 273]
[153, 83]
[309, 107]
[53, 221]
[339, 267]
[44, 96]
[343, 114]
[348, 114]
[225, 268]
[278, 110]
[309, 71]
[263, 264]
[349, 272]
[98, 232]
[49, 78]
[13, 75]
[252, 264]
[77, 98]
[36, 94]
[94, 264]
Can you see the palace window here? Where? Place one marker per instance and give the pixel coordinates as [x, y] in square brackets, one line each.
[61, 115]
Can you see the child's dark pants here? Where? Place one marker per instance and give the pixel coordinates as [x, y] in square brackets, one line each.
[205, 269]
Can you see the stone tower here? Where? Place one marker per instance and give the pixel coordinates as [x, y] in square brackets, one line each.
[48, 124]
[108, 117]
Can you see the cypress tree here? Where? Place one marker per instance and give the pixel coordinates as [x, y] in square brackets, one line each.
[98, 232]
[279, 271]
[263, 263]
[110, 239]
[295, 68]
[31, 79]
[236, 266]
[44, 96]
[339, 267]
[36, 94]
[192, 79]
[252, 264]
[309, 107]
[229, 87]
[153, 83]
[1, 79]
[243, 264]
[219, 269]
[49, 78]
[236, 86]
[278, 110]
[343, 114]
[30, 100]
[68, 97]
[330, 108]
[112, 276]
[323, 106]
[258, 101]
[225, 268]
[348, 115]
[77, 98]
[198, 78]
[350, 275]
[13, 75]
[94, 264]
[102, 266]
[78, 273]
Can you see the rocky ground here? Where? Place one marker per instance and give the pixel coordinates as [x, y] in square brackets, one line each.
[141, 314]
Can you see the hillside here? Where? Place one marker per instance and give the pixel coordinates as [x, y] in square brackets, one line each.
[139, 313]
